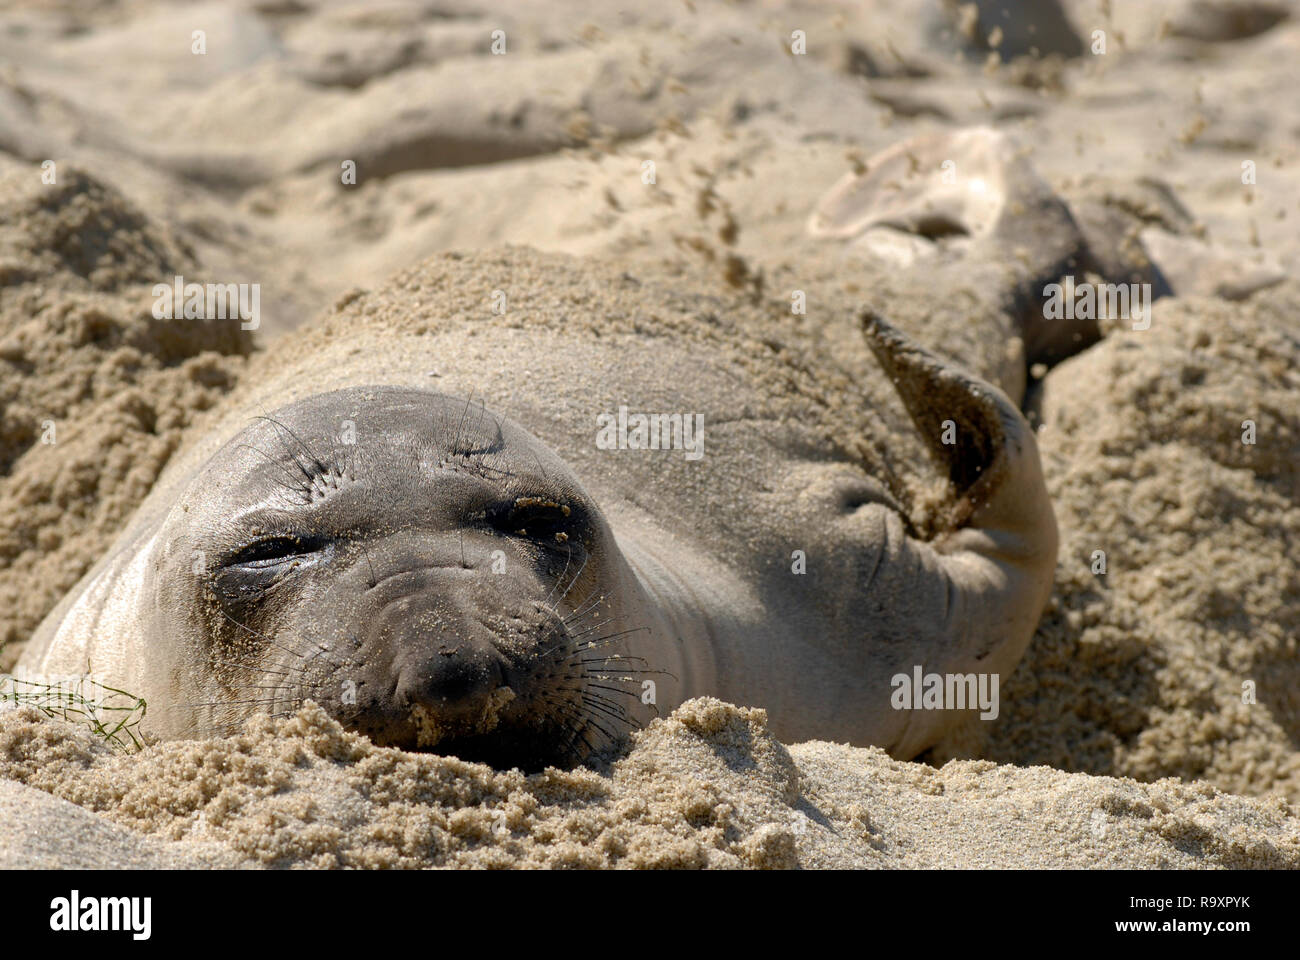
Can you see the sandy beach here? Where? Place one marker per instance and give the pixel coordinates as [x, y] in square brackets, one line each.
[1153, 721]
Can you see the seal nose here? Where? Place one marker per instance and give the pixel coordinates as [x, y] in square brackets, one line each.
[455, 679]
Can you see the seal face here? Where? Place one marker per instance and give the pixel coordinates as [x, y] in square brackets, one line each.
[427, 572]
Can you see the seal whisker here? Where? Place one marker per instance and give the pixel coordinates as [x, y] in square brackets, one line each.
[592, 628]
[574, 639]
[609, 678]
[294, 483]
[584, 721]
[593, 645]
[248, 666]
[601, 698]
[571, 720]
[604, 641]
[605, 709]
[225, 703]
[455, 443]
[374, 581]
[574, 582]
[571, 708]
[623, 693]
[580, 617]
[482, 412]
[571, 744]
[281, 646]
[568, 557]
[602, 669]
[577, 614]
[613, 656]
[591, 721]
[620, 710]
[315, 460]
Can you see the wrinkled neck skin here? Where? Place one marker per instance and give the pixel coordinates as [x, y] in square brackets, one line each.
[176, 677]
[691, 636]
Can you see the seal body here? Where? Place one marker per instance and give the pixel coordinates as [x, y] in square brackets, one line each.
[481, 562]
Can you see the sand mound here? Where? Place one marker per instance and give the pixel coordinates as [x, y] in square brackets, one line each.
[94, 392]
[706, 787]
[44, 833]
[1144, 671]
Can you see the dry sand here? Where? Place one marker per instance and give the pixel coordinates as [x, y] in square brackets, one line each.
[707, 787]
[226, 168]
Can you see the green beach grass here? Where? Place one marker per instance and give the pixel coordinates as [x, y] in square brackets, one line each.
[111, 713]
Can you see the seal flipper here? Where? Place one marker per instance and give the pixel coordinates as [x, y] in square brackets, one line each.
[965, 212]
[969, 600]
[987, 430]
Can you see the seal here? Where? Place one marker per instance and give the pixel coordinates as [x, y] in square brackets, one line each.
[441, 574]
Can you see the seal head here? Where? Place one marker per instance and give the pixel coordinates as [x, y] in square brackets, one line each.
[431, 574]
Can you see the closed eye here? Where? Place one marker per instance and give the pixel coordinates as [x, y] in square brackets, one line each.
[541, 519]
[271, 551]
